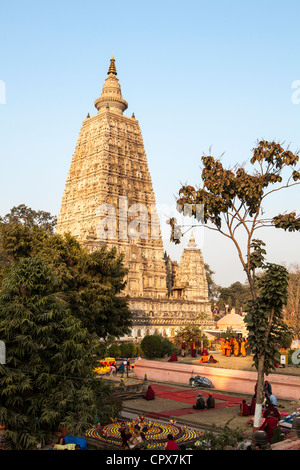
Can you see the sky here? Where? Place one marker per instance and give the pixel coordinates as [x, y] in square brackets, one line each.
[201, 77]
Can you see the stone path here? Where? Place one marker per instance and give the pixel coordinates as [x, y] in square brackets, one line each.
[176, 400]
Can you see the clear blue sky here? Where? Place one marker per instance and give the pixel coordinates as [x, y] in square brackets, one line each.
[195, 73]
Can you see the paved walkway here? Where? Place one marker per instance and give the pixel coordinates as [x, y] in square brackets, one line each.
[174, 401]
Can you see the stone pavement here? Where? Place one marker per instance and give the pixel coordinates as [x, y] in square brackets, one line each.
[161, 408]
[174, 401]
[164, 409]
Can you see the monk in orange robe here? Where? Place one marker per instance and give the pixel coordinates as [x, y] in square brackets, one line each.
[204, 359]
[243, 349]
[228, 348]
[236, 347]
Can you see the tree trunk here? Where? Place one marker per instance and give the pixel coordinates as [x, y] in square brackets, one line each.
[259, 393]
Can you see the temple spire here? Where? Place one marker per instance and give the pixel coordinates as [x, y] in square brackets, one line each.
[192, 245]
[112, 68]
[111, 97]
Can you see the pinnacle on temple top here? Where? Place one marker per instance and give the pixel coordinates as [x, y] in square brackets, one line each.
[112, 68]
[192, 245]
[111, 97]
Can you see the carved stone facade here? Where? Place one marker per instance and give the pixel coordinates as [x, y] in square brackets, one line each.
[109, 199]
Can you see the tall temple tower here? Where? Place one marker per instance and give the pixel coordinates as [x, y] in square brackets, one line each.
[109, 199]
[108, 195]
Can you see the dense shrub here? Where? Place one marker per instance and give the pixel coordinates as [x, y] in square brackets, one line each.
[156, 346]
[128, 349]
[114, 350]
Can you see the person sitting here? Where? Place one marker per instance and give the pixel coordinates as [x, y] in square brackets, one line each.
[173, 358]
[200, 403]
[136, 439]
[204, 352]
[171, 444]
[138, 430]
[122, 428]
[139, 437]
[204, 359]
[244, 409]
[269, 425]
[150, 394]
[210, 402]
[126, 436]
[121, 369]
[212, 359]
[271, 407]
[267, 388]
[273, 399]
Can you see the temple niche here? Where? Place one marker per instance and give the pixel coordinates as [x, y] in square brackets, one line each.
[109, 199]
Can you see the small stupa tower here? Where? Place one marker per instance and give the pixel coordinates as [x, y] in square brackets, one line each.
[190, 281]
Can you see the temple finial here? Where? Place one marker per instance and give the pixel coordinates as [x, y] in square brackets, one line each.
[112, 68]
[192, 243]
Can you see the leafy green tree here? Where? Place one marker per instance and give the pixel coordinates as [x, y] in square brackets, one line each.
[128, 349]
[92, 282]
[213, 288]
[190, 333]
[266, 327]
[231, 203]
[114, 350]
[28, 217]
[152, 346]
[167, 346]
[48, 378]
[236, 295]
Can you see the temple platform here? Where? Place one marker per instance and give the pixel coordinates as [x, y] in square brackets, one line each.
[284, 386]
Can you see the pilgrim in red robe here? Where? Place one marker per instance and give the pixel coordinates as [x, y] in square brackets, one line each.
[173, 358]
[244, 409]
[150, 394]
[270, 425]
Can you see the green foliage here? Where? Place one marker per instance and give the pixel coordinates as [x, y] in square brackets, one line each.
[257, 256]
[23, 215]
[232, 204]
[213, 440]
[91, 282]
[286, 339]
[266, 328]
[156, 346]
[128, 349]
[114, 350]
[108, 406]
[48, 377]
[213, 288]
[56, 301]
[236, 295]
[231, 200]
[167, 346]
[189, 333]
